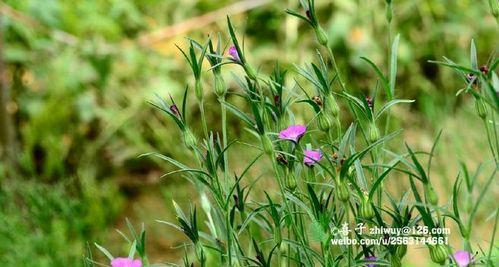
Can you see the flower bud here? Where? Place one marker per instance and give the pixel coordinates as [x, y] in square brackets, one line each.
[481, 109]
[189, 139]
[366, 210]
[220, 88]
[198, 90]
[332, 105]
[323, 122]
[373, 133]
[438, 254]
[290, 182]
[268, 148]
[321, 35]
[431, 195]
[342, 192]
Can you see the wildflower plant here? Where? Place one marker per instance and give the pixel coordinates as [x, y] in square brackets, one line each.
[330, 172]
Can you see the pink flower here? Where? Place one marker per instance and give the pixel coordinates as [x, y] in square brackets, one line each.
[293, 133]
[233, 53]
[311, 157]
[463, 258]
[125, 262]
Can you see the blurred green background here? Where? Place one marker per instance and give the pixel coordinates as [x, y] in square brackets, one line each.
[80, 73]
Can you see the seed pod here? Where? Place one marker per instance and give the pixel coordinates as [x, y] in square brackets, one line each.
[431, 195]
[366, 210]
[189, 139]
[438, 254]
[332, 105]
[323, 122]
[373, 133]
[220, 88]
[481, 109]
[268, 148]
[321, 35]
[342, 192]
[199, 90]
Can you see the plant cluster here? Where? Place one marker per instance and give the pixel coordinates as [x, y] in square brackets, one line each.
[330, 172]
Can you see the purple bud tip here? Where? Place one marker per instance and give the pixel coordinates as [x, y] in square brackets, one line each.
[311, 157]
[293, 133]
[233, 53]
[463, 258]
[309, 16]
[125, 262]
[484, 69]
[369, 102]
[370, 259]
[277, 100]
[174, 110]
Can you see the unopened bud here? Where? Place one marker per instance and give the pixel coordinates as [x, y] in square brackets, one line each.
[332, 105]
[323, 122]
[431, 195]
[189, 139]
[481, 109]
[438, 254]
[342, 192]
[321, 35]
[373, 133]
[290, 182]
[366, 210]
[220, 88]
[268, 148]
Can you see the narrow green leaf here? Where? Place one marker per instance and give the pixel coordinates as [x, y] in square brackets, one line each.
[390, 104]
[393, 66]
[473, 57]
[105, 252]
[382, 77]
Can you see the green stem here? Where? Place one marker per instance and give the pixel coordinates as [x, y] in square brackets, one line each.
[288, 208]
[223, 109]
[336, 69]
[203, 119]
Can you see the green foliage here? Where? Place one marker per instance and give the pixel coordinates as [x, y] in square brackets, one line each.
[80, 81]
